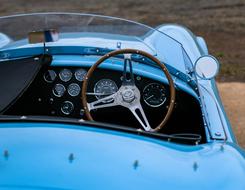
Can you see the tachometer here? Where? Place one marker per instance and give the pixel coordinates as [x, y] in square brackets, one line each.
[80, 74]
[65, 75]
[154, 94]
[105, 87]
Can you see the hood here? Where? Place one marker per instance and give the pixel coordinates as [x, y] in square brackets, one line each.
[59, 156]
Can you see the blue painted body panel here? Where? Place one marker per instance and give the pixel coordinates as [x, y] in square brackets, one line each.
[103, 159]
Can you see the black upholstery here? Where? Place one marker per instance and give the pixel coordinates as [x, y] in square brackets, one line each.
[16, 76]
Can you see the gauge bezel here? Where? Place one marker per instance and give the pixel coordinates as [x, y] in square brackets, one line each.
[68, 90]
[53, 90]
[153, 106]
[77, 78]
[44, 76]
[61, 77]
[66, 113]
[96, 84]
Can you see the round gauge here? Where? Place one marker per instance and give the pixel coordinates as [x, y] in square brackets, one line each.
[67, 107]
[65, 75]
[154, 94]
[74, 89]
[59, 90]
[49, 76]
[105, 87]
[80, 74]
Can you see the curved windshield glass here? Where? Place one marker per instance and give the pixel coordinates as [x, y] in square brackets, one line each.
[86, 30]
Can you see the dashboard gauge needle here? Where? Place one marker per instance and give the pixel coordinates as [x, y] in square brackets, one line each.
[149, 97]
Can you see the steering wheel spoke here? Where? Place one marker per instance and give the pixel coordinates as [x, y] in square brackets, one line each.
[139, 114]
[108, 101]
[128, 80]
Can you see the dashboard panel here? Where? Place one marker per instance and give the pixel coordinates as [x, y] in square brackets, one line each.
[56, 91]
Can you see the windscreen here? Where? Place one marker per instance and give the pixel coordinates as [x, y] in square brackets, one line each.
[86, 30]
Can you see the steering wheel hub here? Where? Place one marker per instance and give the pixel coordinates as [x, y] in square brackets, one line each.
[128, 95]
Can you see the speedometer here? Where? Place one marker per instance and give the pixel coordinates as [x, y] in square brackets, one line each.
[154, 95]
[105, 87]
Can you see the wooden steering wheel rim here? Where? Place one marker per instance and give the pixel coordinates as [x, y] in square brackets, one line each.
[130, 51]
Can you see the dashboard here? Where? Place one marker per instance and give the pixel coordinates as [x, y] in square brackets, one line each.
[153, 94]
[56, 91]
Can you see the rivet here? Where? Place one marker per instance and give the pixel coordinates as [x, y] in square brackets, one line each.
[6, 154]
[136, 164]
[222, 148]
[195, 166]
[119, 45]
[71, 157]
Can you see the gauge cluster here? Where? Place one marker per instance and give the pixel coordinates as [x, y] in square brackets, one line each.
[65, 84]
[66, 89]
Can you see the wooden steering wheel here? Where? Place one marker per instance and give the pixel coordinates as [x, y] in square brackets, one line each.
[128, 94]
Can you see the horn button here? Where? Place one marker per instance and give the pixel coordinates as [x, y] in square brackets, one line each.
[128, 95]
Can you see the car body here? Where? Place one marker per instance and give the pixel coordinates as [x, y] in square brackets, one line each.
[46, 140]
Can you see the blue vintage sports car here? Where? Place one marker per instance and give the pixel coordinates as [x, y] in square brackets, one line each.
[96, 102]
